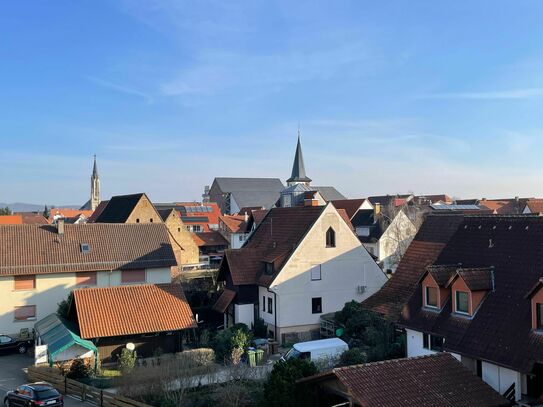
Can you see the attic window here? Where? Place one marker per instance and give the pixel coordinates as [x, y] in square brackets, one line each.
[431, 297]
[330, 238]
[85, 248]
[269, 269]
[539, 317]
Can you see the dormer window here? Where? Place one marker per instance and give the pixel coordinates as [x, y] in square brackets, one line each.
[330, 238]
[431, 297]
[539, 317]
[462, 302]
[268, 268]
[535, 296]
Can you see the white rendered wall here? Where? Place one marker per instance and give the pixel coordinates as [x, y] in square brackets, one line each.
[244, 314]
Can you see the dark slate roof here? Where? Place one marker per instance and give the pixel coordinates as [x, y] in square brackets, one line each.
[164, 213]
[298, 168]
[385, 200]
[477, 279]
[273, 241]
[36, 249]
[424, 381]
[266, 199]
[366, 218]
[500, 330]
[423, 251]
[227, 184]
[97, 212]
[442, 274]
[329, 193]
[119, 208]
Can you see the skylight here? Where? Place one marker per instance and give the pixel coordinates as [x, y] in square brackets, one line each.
[85, 247]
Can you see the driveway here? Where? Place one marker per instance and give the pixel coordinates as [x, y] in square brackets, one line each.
[13, 375]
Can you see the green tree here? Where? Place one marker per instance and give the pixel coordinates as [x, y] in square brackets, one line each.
[281, 389]
[127, 360]
[79, 370]
[231, 343]
[64, 307]
[5, 211]
[352, 356]
[375, 336]
[46, 212]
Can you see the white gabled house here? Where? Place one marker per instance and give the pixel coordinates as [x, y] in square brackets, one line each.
[299, 263]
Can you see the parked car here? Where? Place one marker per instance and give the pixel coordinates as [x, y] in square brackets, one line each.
[320, 351]
[33, 395]
[10, 344]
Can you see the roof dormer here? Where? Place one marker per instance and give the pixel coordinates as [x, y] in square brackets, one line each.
[469, 286]
[535, 295]
[434, 290]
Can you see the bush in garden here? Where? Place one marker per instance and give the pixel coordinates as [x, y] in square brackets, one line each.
[79, 370]
[281, 389]
[226, 341]
[352, 356]
[127, 360]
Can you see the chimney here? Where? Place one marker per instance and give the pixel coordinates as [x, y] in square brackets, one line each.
[377, 208]
[60, 226]
[311, 202]
[246, 216]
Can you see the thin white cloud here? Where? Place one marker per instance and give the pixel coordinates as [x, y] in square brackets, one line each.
[119, 88]
[524, 93]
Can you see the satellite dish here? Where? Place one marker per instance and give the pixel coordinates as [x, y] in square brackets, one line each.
[130, 346]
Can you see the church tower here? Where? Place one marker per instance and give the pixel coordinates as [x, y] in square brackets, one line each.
[95, 187]
[298, 175]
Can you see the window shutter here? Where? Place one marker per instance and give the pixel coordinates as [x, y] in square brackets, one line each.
[132, 276]
[25, 282]
[25, 312]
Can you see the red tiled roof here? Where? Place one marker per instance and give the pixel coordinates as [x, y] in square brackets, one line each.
[535, 205]
[34, 219]
[233, 222]
[98, 211]
[226, 297]
[11, 220]
[213, 238]
[424, 381]
[35, 249]
[132, 309]
[345, 217]
[349, 205]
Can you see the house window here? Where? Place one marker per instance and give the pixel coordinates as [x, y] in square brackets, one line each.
[132, 276]
[85, 279]
[431, 297]
[24, 283]
[316, 305]
[462, 302]
[240, 237]
[138, 220]
[25, 313]
[362, 231]
[539, 316]
[270, 305]
[432, 342]
[263, 303]
[316, 272]
[269, 268]
[330, 238]
[151, 220]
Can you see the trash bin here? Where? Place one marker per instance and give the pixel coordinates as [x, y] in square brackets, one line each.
[274, 348]
[251, 357]
[259, 356]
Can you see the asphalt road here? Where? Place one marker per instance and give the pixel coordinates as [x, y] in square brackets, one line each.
[13, 375]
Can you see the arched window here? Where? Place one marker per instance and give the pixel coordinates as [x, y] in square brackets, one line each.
[330, 238]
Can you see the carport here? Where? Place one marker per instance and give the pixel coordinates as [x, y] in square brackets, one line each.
[63, 344]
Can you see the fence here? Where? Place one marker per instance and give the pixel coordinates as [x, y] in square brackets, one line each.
[90, 394]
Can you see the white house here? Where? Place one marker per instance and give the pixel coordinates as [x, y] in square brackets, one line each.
[41, 264]
[300, 263]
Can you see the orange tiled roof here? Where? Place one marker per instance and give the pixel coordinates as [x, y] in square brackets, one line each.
[11, 220]
[131, 310]
[34, 219]
[233, 222]
[535, 205]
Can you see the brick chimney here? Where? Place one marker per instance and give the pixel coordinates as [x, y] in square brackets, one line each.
[60, 226]
[377, 208]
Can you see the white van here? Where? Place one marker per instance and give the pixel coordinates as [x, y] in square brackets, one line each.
[323, 350]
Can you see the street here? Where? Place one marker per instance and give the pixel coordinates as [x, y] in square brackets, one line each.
[12, 375]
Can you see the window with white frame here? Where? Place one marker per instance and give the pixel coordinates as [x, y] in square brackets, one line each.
[316, 272]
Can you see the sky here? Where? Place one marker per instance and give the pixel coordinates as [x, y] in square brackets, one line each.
[390, 97]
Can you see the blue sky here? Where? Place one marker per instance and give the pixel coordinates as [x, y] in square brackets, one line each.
[423, 96]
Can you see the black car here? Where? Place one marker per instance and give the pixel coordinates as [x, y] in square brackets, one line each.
[34, 394]
[9, 344]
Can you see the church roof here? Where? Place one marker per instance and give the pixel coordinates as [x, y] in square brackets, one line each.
[298, 168]
[94, 169]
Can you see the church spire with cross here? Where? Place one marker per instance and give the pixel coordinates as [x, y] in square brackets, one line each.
[298, 175]
[95, 186]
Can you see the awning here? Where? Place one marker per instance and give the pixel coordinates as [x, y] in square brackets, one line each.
[224, 300]
[55, 333]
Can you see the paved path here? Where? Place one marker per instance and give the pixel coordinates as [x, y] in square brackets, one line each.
[13, 375]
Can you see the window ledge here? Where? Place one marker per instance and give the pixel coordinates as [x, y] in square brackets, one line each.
[460, 314]
[431, 309]
[25, 320]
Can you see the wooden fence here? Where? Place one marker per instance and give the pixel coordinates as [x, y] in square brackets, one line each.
[90, 394]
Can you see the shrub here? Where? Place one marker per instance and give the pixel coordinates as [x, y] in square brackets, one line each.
[237, 337]
[196, 357]
[127, 360]
[281, 389]
[79, 370]
[352, 356]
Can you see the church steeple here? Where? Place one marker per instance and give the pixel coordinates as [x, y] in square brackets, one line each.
[298, 175]
[95, 186]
